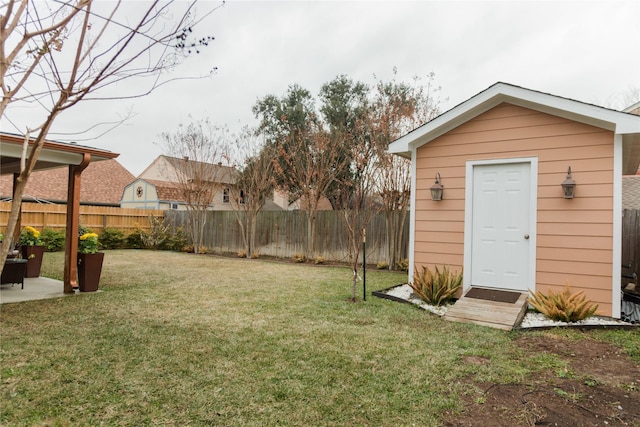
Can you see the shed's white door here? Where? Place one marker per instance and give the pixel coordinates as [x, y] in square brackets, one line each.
[500, 222]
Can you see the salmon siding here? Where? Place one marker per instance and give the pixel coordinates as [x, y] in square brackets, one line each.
[574, 236]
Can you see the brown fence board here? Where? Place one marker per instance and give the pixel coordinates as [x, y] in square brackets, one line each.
[283, 234]
[97, 218]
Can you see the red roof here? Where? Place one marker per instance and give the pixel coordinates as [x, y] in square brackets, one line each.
[168, 191]
[102, 184]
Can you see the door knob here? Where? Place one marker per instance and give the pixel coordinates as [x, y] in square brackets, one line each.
[526, 237]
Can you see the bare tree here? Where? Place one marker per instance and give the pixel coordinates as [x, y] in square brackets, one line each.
[395, 197]
[360, 203]
[307, 163]
[397, 109]
[255, 182]
[55, 55]
[622, 99]
[197, 151]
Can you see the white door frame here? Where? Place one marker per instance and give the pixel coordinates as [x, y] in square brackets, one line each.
[468, 215]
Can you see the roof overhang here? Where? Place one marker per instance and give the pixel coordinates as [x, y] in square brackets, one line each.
[624, 124]
[53, 154]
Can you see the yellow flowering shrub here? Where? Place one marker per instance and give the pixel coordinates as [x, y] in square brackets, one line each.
[30, 237]
[88, 243]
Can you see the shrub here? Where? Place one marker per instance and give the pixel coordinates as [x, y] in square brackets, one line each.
[382, 265]
[437, 287]
[203, 250]
[159, 234]
[136, 239]
[111, 238]
[178, 240]
[299, 258]
[242, 253]
[52, 239]
[563, 306]
[255, 255]
[319, 260]
[403, 265]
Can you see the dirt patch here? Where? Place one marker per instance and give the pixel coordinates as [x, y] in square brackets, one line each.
[600, 387]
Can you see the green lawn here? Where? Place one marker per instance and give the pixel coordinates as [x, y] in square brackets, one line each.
[178, 339]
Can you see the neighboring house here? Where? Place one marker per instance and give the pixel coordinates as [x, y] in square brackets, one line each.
[162, 185]
[501, 157]
[101, 185]
[302, 204]
[281, 198]
[149, 194]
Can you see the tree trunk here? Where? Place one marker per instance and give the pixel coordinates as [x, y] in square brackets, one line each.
[25, 173]
[391, 239]
[394, 220]
[244, 230]
[311, 233]
[252, 233]
[354, 283]
[399, 235]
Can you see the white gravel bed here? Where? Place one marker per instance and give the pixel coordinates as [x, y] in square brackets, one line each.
[538, 320]
[531, 320]
[405, 292]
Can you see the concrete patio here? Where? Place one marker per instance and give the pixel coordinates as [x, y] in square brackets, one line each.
[35, 288]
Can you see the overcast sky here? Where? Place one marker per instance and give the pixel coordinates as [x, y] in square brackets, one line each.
[584, 50]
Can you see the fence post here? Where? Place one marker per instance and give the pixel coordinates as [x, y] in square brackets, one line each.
[364, 264]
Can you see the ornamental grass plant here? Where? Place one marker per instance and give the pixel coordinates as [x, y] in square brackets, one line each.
[564, 306]
[436, 287]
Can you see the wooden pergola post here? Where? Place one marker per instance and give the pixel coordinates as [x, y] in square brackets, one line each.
[73, 223]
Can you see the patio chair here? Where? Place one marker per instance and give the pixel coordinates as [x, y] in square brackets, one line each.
[13, 271]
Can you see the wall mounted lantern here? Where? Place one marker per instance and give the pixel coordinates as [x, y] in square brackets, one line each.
[437, 189]
[569, 186]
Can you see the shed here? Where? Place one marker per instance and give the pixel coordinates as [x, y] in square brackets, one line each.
[501, 157]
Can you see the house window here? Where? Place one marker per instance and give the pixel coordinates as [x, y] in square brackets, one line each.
[173, 206]
[241, 199]
[225, 195]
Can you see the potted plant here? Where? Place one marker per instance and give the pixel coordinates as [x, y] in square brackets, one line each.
[32, 250]
[89, 262]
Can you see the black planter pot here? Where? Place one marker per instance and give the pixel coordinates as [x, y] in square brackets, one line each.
[89, 270]
[33, 255]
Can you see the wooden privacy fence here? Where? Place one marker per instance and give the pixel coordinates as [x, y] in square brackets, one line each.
[631, 240]
[97, 218]
[283, 234]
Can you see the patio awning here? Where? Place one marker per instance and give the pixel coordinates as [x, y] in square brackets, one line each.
[54, 155]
